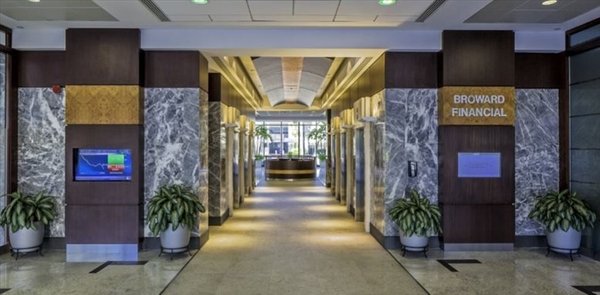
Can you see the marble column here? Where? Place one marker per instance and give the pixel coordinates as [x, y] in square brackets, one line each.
[536, 153]
[172, 141]
[407, 130]
[216, 167]
[203, 173]
[41, 148]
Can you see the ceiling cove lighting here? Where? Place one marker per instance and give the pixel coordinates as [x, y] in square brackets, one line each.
[387, 2]
[35, 1]
[200, 1]
[549, 2]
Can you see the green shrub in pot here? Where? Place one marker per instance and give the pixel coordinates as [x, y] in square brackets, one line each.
[416, 218]
[172, 213]
[25, 217]
[565, 216]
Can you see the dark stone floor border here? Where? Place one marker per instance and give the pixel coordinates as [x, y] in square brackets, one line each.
[2, 291]
[590, 290]
[105, 264]
[446, 263]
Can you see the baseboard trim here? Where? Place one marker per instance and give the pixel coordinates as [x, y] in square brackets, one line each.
[393, 242]
[153, 243]
[55, 243]
[478, 247]
[218, 220]
[530, 241]
[4, 249]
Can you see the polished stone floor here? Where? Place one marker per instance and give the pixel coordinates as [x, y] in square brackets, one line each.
[292, 238]
[50, 274]
[524, 271]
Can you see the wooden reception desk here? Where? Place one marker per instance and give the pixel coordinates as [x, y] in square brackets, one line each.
[290, 168]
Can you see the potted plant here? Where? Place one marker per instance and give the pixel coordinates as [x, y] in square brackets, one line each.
[172, 213]
[416, 218]
[25, 217]
[565, 216]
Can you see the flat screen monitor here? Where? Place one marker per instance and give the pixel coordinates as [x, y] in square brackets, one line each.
[103, 165]
[479, 165]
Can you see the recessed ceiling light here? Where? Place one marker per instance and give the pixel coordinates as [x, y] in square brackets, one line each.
[549, 2]
[387, 2]
[200, 1]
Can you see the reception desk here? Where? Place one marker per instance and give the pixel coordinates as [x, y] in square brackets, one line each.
[290, 168]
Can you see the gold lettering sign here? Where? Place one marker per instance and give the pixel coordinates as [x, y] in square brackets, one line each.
[477, 106]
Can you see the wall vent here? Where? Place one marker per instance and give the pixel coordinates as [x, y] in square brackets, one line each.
[430, 10]
[155, 10]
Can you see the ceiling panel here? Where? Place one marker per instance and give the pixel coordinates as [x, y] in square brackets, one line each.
[318, 7]
[532, 11]
[189, 18]
[127, 11]
[277, 7]
[186, 7]
[58, 14]
[231, 17]
[402, 7]
[46, 4]
[395, 18]
[356, 18]
[293, 18]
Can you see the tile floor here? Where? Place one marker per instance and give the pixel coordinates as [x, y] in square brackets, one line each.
[294, 238]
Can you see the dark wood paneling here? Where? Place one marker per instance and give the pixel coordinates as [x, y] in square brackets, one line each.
[539, 70]
[478, 58]
[478, 223]
[103, 57]
[411, 70]
[41, 68]
[12, 128]
[204, 73]
[455, 139]
[105, 137]
[221, 90]
[172, 69]
[214, 87]
[103, 224]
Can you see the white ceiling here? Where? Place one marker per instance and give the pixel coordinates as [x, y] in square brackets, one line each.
[453, 14]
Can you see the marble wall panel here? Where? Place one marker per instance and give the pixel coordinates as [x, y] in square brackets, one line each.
[407, 131]
[203, 176]
[536, 151]
[41, 148]
[172, 148]
[216, 157]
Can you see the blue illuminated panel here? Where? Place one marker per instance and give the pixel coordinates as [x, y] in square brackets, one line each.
[479, 165]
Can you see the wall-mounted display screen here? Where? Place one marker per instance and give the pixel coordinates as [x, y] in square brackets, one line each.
[103, 165]
[479, 165]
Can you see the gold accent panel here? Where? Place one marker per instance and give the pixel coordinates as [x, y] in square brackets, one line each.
[477, 106]
[104, 105]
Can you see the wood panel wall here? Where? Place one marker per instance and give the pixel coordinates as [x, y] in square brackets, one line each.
[221, 90]
[40, 68]
[175, 69]
[549, 70]
[477, 210]
[101, 62]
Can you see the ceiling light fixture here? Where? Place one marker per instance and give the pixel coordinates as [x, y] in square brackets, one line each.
[387, 2]
[549, 2]
[36, 1]
[200, 1]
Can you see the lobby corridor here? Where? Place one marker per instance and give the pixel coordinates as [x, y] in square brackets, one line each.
[292, 238]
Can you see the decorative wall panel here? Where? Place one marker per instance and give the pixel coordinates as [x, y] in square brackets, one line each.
[172, 139]
[216, 168]
[104, 105]
[407, 131]
[536, 153]
[41, 148]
